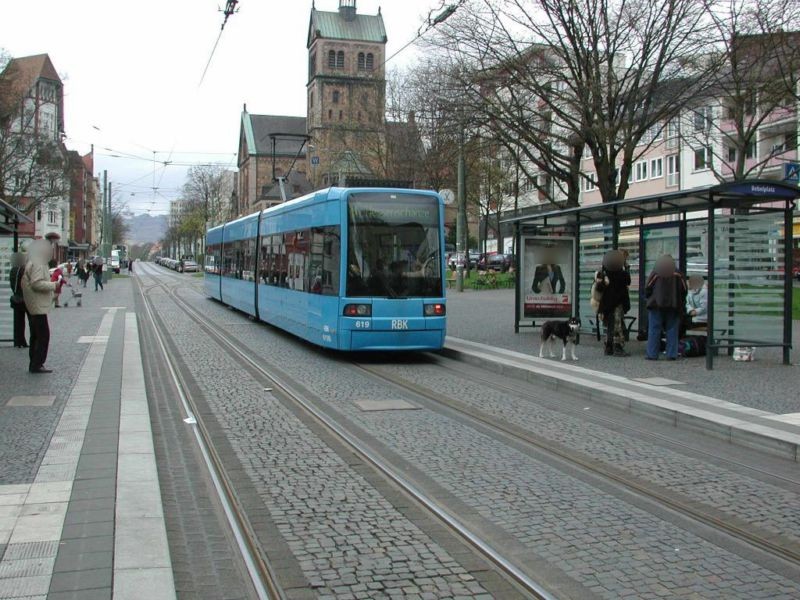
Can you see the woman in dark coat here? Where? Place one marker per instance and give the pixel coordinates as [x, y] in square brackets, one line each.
[666, 298]
[17, 301]
[613, 282]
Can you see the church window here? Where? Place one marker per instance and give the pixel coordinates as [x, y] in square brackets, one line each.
[362, 64]
[336, 96]
[370, 61]
[341, 115]
[359, 116]
[332, 59]
[340, 59]
[330, 115]
[312, 65]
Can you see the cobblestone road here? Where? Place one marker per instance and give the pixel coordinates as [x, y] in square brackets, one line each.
[611, 547]
[752, 500]
[25, 431]
[350, 541]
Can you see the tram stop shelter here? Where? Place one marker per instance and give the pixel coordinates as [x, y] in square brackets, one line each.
[737, 235]
[10, 220]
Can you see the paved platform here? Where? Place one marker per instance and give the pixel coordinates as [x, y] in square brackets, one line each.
[80, 505]
[753, 404]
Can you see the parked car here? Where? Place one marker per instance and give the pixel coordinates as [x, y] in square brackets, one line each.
[458, 259]
[496, 262]
[188, 266]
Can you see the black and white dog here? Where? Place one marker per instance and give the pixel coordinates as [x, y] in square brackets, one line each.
[566, 331]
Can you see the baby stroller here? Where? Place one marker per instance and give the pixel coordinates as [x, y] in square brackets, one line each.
[75, 296]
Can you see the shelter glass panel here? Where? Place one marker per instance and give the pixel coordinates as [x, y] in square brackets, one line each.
[748, 277]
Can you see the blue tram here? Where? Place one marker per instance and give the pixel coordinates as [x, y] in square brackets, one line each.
[347, 269]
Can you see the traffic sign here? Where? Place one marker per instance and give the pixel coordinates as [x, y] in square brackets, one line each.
[791, 172]
[315, 160]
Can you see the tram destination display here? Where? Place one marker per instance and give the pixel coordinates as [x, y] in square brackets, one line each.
[547, 281]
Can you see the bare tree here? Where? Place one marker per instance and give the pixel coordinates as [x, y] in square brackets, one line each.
[34, 169]
[208, 189]
[553, 78]
[745, 122]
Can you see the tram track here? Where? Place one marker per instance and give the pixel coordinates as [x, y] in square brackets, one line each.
[513, 572]
[261, 572]
[771, 543]
[776, 546]
[447, 363]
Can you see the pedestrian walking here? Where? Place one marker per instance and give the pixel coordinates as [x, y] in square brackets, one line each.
[18, 260]
[80, 271]
[666, 297]
[130, 266]
[38, 290]
[57, 277]
[612, 282]
[98, 273]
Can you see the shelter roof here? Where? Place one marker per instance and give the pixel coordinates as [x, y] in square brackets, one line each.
[735, 194]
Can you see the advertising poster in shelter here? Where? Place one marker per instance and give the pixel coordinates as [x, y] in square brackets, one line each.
[547, 277]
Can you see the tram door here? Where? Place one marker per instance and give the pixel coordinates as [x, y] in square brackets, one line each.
[656, 240]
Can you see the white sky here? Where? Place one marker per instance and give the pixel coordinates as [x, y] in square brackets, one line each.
[132, 69]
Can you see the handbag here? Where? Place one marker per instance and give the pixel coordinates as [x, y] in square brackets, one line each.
[16, 300]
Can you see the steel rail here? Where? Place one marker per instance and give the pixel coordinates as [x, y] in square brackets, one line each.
[260, 571]
[513, 571]
[687, 507]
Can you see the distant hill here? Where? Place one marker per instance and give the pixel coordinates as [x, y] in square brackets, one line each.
[146, 228]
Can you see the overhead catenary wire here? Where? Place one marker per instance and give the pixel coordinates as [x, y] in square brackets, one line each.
[446, 11]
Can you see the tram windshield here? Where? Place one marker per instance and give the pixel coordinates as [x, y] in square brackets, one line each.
[393, 246]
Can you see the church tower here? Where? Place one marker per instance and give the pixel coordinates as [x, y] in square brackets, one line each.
[346, 94]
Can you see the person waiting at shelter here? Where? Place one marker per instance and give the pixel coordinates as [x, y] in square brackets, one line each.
[666, 299]
[697, 303]
[612, 282]
[18, 260]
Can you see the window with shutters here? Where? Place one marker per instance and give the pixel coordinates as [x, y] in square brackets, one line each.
[332, 59]
[362, 61]
[340, 59]
[370, 61]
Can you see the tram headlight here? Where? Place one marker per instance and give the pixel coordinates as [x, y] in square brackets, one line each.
[435, 310]
[358, 310]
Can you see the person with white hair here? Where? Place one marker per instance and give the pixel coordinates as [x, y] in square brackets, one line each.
[38, 290]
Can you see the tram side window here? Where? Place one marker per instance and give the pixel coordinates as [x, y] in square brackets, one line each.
[229, 260]
[323, 261]
[239, 246]
[264, 258]
[275, 264]
[296, 257]
[212, 266]
[248, 259]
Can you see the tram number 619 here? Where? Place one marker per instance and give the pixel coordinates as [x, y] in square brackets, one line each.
[362, 324]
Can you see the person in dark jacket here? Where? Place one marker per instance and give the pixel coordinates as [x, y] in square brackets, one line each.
[666, 297]
[613, 282]
[17, 300]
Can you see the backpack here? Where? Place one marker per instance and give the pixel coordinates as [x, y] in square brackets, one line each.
[693, 345]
